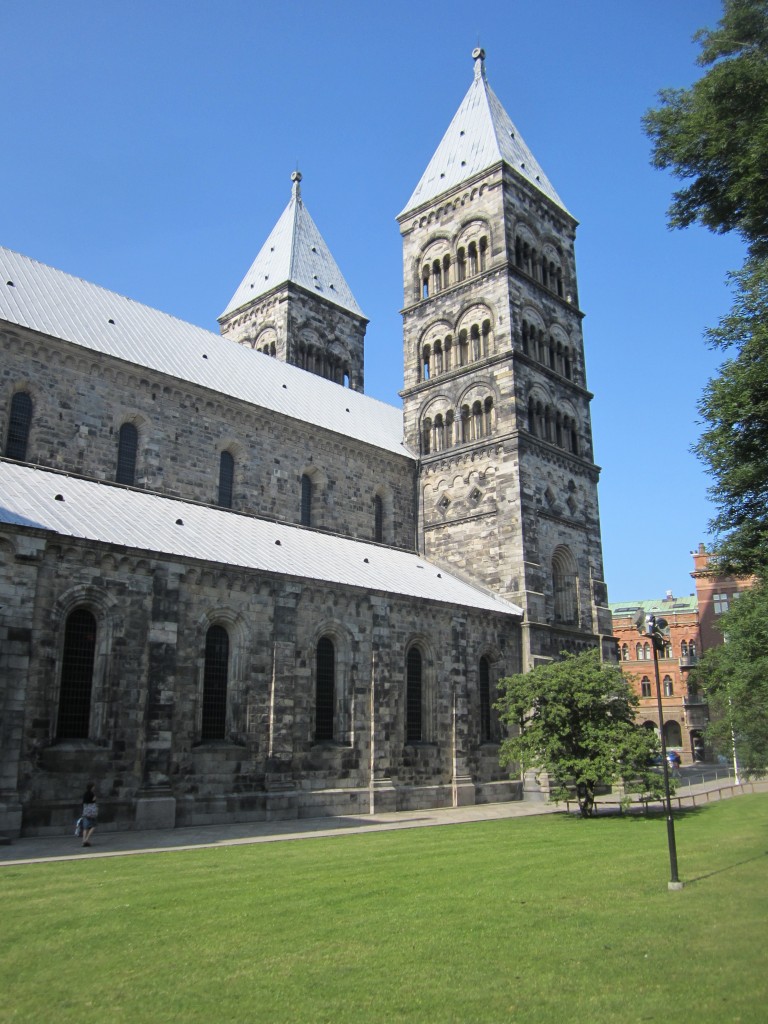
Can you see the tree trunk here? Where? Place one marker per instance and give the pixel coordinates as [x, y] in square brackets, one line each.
[586, 796]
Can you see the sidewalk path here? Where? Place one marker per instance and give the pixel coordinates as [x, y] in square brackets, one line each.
[38, 850]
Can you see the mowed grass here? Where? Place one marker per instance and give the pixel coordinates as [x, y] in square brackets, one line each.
[535, 920]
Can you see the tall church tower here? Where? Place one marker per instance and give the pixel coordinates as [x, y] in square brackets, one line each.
[295, 305]
[495, 395]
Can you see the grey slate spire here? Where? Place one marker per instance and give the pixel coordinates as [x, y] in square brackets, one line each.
[480, 135]
[295, 252]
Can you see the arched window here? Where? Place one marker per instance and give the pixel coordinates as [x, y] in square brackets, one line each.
[306, 499]
[624, 652]
[532, 416]
[692, 648]
[425, 354]
[378, 518]
[668, 688]
[226, 479]
[437, 276]
[477, 420]
[488, 415]
[447, 353]
[645, 687]
[638, 652]
[325, 689]
[483, 252]
[449, 429]
[466, 424]
[127, 449]
[425, 282]
[486, 332]
[567, 362]
[438, 357]
[439, 433]
[77, 662]
[565, 587]
[413, 696]
[472, 251]
[673, 734]
[474, 333]
[526, 330]
[426, 437]
[683, 649]
[485, 700]
[19, 424]
[461, 259]
[647, 652]
[215, 677]
[446, 271]
[463, 348]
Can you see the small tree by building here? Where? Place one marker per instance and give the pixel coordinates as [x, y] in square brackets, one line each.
[575, 719]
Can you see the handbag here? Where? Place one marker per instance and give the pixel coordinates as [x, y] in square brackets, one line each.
[79, 828]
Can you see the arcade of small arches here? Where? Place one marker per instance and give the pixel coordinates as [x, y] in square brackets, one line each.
[445, 430]
[441, 272]
[543, 266]
[443, 354]
[551, 425]
[549, 351]
[308, 356]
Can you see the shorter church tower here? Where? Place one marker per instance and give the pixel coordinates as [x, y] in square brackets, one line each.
[295, 305]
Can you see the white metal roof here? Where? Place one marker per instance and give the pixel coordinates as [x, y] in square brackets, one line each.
[479, 136]
[150, 522]
[47, 300]
[296, 252]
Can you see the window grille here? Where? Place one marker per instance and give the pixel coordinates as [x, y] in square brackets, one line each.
[127, 448]
[215, 677]
[77, 675]
[306, 500]
[325, 689]
[485, 701]
[226, 479]
[19, 424]
[413, 709]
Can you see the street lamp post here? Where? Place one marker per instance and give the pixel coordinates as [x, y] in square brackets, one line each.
[654, 629]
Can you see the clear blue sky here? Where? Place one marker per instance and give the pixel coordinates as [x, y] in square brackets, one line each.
[148, 147]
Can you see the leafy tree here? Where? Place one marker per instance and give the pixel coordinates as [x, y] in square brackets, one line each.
[575, 719]
[715, 137]
[716, 132]
[734, 444]
[735, 678]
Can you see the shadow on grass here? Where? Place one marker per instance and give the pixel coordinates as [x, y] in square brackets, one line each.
[730, 867]
[658, 814]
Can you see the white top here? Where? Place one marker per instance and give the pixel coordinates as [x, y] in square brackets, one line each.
[43, 299]
[150, 522]
[479, 136]
[295, 252]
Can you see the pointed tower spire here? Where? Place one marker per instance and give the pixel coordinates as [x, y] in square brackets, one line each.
[480, 135]
[292, 286]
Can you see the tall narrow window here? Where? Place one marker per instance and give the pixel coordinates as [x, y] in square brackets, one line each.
[669, 690]
[485, 701]
[226, 479]
[565, 586]
[19, 424]
[306, 500]
[76, 675]
[378, 519]
[645, 687]
[215, 676]
[325, 689]
[127, 449]
[413, 690]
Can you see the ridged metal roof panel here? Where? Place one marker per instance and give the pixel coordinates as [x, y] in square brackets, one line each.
[47, 300]
[295, 251]
[479, 136]
[145, 521]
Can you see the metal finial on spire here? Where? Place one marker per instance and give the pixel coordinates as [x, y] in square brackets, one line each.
[478, 55]
[296, 178]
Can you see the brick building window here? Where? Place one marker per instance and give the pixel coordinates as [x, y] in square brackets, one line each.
[645, 687]
[669, 690]
[127, 450]
[19, 424]
[77, 662]
[325, 689]
[720, 603]
[215, 679]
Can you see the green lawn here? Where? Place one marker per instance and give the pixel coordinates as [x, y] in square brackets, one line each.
[531, 920]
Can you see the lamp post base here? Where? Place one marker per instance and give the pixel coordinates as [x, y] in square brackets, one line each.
[674, 886]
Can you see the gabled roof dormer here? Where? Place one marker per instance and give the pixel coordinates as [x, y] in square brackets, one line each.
[480, 135]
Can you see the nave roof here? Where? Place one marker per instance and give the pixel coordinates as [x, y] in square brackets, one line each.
[143, 520]
[54, 303]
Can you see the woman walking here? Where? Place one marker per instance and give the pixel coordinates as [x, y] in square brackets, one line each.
[90, 813]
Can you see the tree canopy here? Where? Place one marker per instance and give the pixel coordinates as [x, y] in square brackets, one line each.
[575, 719]
[735, 677]
[715, 134]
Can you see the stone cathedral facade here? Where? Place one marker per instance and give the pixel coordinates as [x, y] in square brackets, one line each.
[232, 586]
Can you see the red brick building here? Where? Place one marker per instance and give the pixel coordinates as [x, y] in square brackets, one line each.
[692, 628]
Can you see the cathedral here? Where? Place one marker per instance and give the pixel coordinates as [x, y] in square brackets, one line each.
[232, 586]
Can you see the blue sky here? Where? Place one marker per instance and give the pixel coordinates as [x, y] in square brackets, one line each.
[149, 146]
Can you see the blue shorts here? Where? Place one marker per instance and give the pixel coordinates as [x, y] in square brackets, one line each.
[89, 823]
